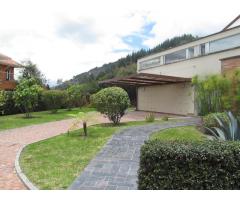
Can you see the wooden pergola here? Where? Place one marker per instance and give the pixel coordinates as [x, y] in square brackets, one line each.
[144, 79]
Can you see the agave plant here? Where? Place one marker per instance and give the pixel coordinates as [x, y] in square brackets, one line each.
[228, 130]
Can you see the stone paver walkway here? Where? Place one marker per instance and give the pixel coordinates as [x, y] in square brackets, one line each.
[115, 167]
[12, 140]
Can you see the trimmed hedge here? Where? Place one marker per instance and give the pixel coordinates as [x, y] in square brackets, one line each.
[194, 165]
[54, 99]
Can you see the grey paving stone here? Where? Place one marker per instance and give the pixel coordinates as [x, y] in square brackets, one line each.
[116, 166]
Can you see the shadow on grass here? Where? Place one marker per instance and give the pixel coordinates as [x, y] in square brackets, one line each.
[30, 117]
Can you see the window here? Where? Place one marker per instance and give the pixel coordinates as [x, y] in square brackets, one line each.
[8, 74]
[176, 56]
[225, 43]
[190, 52]
[202, 49]
[149, 63]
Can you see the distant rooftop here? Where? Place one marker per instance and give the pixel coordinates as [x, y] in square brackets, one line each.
[5, 60]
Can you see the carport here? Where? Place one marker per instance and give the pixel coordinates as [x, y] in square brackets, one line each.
[159, 93]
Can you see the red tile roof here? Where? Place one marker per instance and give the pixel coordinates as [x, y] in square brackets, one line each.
[5, 60]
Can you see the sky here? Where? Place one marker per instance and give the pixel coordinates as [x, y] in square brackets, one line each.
[67, 37]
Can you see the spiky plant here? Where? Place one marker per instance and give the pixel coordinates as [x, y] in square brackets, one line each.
[227, 130]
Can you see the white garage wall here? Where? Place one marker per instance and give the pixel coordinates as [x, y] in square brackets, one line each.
[171, 98]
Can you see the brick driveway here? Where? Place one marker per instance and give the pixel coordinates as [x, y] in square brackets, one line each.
[12, 140]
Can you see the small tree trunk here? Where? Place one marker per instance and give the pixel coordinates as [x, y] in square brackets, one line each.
[85, 128]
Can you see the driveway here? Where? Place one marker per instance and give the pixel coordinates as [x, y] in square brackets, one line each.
[11, 141]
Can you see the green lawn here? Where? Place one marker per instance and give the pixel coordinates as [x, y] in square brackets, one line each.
[19, 120]
[54, 163]
[186, 133]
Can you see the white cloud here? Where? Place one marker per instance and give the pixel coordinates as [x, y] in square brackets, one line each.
[67, 37]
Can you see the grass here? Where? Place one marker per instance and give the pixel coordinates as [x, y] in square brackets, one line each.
[186, 133]
[19, 120]
[54, 163]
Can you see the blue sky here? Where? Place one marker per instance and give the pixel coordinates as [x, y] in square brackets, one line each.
[73, 36]
[136, 40]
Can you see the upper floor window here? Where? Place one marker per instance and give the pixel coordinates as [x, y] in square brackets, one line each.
[8, 74]
[194, 51]
[175, 56]
[149, 63]
[190, 52]
[202, 49]
[225, 43]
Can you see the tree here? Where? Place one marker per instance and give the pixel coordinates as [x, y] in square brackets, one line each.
[112, 101]
[31, 70]
[26, 95]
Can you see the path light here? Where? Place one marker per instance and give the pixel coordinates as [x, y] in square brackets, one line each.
[83, 118]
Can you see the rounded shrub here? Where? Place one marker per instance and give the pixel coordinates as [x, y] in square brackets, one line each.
[112, 101]
[210, 120]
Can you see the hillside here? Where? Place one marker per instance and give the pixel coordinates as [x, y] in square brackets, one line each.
[124, 66]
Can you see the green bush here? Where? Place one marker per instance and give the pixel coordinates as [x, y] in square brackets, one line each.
[75, 97]
[189, 165]
[150, 117]
[112, 101]
[54, 99]
[165, 118]
[210, 121]
[211, 93]
[9, 106]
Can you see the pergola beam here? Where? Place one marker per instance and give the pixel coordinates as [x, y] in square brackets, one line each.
[144, 79]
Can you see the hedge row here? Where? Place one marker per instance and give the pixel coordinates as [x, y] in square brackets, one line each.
[195, 165]
[47, 100]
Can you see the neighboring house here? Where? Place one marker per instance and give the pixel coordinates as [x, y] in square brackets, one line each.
[7, 66]
[163, 80]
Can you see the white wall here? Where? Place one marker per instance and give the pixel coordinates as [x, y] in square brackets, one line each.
[202, 66]
[171, 98]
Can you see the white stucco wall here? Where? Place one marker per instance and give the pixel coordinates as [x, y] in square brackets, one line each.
[201, 66]
[172, 98]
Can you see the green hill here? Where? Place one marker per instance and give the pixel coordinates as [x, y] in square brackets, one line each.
[124, 66]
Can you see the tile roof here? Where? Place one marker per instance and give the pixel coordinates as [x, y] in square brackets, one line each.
[5, 60]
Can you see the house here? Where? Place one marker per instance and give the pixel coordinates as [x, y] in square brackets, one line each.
[163, 80]
[7, 66]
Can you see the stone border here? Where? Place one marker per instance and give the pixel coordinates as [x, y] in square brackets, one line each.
[20, 173]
